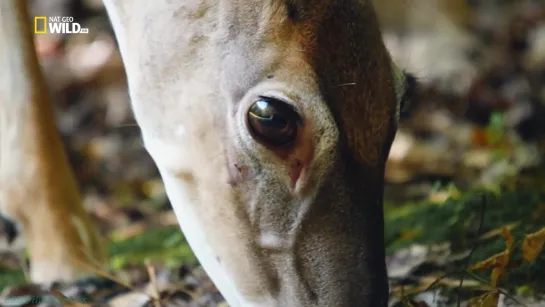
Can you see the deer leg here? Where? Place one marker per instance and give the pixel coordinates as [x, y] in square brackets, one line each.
[38, 189]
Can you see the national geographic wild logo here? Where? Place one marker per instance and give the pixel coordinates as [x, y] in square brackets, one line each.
[57, 25]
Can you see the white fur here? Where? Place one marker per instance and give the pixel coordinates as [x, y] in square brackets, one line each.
[168, 87]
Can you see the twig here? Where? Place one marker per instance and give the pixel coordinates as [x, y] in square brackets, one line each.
[106, 275]
[481, 223]
[64, 300]
[435, 282]
[153, 280]
[95, 269]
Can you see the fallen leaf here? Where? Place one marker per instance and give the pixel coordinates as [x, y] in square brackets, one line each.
[498, 262]
[479, 138]
[532, 245]
[497, 274]
[489, 299]
[509, 240]
[498, 231]
[408, 234]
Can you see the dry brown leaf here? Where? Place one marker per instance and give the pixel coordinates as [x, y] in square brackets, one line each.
[479, 138]
[497, 274]
[427, 281]
[498, 231]
[496, 261]
[509, 240]
[489, 299]
[500, 261]
[532, 245]
[408, 234]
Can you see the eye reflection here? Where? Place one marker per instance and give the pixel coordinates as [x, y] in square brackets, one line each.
[273, 121]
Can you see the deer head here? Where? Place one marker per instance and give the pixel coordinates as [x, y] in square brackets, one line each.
[270, 122]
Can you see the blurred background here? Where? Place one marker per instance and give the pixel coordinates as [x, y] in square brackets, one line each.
[473, 139]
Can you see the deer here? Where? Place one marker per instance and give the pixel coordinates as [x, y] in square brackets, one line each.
[270, 122]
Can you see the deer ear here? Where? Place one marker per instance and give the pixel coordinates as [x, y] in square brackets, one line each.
[405, 86]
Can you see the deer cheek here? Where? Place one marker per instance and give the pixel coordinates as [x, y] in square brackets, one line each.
[296, 159]
[238, 173]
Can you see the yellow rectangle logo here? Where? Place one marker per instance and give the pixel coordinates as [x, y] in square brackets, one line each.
[37, 23]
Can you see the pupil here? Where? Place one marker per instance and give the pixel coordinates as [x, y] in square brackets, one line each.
[267, 115]
[273, 121]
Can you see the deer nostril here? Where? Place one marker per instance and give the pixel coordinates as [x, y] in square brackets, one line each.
[273, 122]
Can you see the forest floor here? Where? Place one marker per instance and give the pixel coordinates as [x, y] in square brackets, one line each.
[465, 178]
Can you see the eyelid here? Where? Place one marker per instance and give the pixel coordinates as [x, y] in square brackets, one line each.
[280, 90]
[286, 98]
[285, 92]
[288, 104]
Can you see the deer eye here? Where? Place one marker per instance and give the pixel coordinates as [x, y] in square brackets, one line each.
[273, 122]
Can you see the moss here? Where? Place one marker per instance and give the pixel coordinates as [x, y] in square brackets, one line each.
[457, 222]
[166, 245]
[11, 277]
